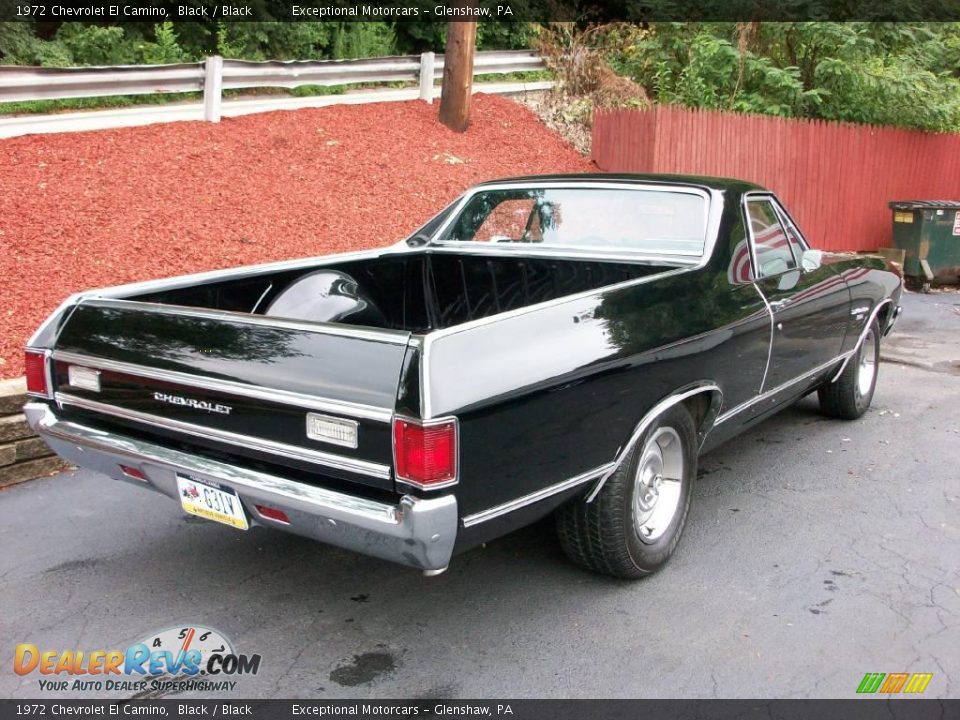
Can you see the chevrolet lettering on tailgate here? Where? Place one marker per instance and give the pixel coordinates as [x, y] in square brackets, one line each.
[192, 402]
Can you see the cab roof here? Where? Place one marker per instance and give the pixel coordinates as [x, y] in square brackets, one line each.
[703, 181]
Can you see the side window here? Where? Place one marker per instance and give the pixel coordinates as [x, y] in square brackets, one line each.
[770, 242]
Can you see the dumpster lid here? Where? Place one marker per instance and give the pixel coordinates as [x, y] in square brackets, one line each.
[924, 204]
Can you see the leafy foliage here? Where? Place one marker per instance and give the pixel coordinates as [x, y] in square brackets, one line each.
[68, 44]
[905, 74]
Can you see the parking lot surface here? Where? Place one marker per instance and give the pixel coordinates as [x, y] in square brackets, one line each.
[816, 550]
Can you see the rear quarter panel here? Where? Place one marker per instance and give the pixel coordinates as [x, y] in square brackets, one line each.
[556, 391]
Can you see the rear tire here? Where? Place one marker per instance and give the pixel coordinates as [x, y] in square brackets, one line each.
[849, 397]
[632, 527]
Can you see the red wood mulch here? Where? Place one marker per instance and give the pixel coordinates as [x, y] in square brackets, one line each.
[86, 210]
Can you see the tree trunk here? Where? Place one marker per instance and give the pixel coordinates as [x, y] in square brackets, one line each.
[458, 75]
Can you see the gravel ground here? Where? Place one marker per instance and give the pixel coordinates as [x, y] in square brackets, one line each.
[85, 210]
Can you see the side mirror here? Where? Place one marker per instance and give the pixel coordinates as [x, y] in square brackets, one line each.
[811, 259]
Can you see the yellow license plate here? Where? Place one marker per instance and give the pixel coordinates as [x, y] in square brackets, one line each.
[213, 503]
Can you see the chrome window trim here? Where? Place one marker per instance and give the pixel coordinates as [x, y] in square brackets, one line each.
[338, 462]
[755, 196]
[723, 417]
[779, 206]
[285, 397]
[789, 226]
[651, 415]
[863, 334]
[534, 497]
[568, 184]
[393, 337]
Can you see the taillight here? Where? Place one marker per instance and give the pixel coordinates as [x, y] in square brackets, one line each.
[36, 371]
[425, 454]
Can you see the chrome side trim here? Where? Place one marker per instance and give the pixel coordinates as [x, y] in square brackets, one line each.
[312, 402]
[413, 531]
[781, 387]
[394, 337]
[654, 412]
[535, 497]
[863, 334]
[766, 368]
[338, 462]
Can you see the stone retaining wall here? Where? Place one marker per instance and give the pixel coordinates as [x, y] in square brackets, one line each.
[23, 456]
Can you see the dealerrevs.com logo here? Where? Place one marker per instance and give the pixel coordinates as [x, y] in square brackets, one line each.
[177, 659]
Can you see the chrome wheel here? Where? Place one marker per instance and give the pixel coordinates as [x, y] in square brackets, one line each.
[867, 368]
[657, 484]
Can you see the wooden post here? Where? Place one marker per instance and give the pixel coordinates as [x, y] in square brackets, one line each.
[426, 76]
[458, 75]
[212, 88]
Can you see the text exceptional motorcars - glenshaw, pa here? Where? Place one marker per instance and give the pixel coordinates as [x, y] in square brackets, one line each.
[487, 710]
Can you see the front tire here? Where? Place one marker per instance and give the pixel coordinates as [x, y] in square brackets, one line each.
[849, 397]
[632, 527]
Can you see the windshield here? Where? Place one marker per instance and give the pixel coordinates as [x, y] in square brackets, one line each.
[651, 221]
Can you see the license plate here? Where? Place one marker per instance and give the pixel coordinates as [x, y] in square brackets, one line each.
[212, 503]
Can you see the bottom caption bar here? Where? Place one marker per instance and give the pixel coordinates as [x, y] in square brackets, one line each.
[855, 709]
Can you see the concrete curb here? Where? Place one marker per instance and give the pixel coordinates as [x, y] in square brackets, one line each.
[23, 455]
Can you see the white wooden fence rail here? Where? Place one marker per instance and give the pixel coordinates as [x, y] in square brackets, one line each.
[215, 75]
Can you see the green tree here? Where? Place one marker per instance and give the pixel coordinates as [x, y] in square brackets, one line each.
[904, 74]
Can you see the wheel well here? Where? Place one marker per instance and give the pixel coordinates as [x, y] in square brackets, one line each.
[703, 408]
[883, 314]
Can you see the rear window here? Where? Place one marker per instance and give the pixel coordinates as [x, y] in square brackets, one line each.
[650, 221]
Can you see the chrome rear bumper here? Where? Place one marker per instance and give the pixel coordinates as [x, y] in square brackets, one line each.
[415, 532]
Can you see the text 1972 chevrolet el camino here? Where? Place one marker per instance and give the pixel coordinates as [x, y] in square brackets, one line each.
[563, 344]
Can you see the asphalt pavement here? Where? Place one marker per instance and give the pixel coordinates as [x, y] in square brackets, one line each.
[816, 551]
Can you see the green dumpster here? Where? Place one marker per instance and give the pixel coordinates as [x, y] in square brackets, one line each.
[929, 233]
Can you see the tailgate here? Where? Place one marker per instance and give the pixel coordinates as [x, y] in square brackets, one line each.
[238, 384]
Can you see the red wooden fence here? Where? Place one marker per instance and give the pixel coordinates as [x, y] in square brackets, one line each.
[836, 179]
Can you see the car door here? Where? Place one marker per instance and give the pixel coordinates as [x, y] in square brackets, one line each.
[809, 301]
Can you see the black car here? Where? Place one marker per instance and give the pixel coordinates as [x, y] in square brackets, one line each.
[561, 344]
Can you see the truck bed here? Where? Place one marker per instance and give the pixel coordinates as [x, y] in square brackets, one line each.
[421, 292]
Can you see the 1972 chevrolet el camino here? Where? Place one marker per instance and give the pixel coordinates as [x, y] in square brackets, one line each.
[560, 344]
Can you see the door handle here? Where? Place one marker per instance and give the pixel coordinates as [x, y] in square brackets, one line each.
[778, 304]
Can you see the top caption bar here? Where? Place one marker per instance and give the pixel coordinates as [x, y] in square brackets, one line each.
[107, 11]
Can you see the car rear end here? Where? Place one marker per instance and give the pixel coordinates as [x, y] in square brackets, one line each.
[250, 420]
